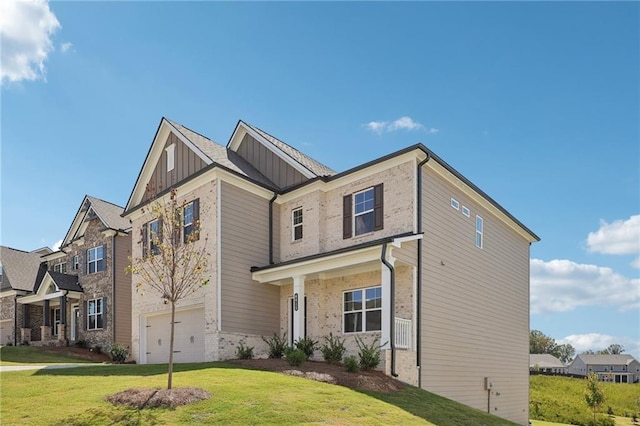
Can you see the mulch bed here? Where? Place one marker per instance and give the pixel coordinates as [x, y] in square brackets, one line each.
[150, 398]
[74, 351]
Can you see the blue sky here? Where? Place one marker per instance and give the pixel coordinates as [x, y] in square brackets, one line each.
[537, 103]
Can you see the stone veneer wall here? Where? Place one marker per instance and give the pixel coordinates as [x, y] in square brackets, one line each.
[7, 312]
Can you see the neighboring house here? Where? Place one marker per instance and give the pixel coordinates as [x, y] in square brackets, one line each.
[621, 368]
[546, 363]
[402, 248]
[81, 291]
[18, 273]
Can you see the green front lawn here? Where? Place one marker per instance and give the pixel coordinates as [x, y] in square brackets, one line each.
[75, 396]
[25, 355]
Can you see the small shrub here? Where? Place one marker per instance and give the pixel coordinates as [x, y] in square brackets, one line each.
[610, 410]
[244, 352]
[333, 349]
[10, 344]
[25, 343]
[296, 357]
[307, 345]
[351, 364]
[634, 418]
[97, 349]
[369, 354]
[119, 353]
[81, 344]
[277, 345]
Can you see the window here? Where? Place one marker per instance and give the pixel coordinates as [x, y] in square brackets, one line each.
[296, 224]
[455, 204]
[95, 260]
[170, 150]
[76, 263]
[95, 310]
[363, 212]
[60, 267]
[55, 320]
[190, 216]
[151, 237]
[363, 310]
[479, 231]
[465, 211]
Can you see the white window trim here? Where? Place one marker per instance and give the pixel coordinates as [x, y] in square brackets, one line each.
[355, 215]
[76, 263]
[150, 236]
[54, 325]
[455, 204]
[295, 225]
[364, 310]
[95, 314]
[184, 220]
[466, 211]
[170, 150]
[58, 267]
[479, 232]
[96, 260]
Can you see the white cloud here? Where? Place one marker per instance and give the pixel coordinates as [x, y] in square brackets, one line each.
[619, 237]
[402, 123]
[596, 342]
[563, 285]
[64, 47]
[26, 28]
[57, 245]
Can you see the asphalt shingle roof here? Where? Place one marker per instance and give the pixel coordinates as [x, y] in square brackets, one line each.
[65, 281]
[606, 359]
[19, 268]
[109, 213]
[545, 361]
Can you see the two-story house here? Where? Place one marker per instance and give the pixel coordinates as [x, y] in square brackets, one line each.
[620, 368]
[81, 291]
[403, 249]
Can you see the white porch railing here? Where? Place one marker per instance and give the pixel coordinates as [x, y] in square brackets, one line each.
[402, 333]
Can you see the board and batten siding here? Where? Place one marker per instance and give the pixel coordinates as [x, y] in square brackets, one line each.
[247, 306]
[269, 164]
[186, 163]
[475, 305]
[122, 296]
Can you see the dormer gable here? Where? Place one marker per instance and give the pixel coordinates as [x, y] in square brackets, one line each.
[90, 209]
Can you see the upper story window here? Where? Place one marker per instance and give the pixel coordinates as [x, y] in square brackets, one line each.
[151, 237]
[479, 232]
[75, 263]
[455, 204]
[95, 259]
[60, 267]
[363, 212]
[296, 224]
[362, 310]
[466, 211]
[171, 150]
[95, 314]
[190, 218]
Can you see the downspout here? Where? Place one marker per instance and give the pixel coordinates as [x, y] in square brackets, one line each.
[419, 272]
[113, 285]
[15, 320]
[392, 284]
[275, 195]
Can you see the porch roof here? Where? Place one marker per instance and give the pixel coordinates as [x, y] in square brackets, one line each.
[52, 286]
[357, 258]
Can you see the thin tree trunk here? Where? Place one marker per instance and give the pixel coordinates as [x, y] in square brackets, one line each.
[173, 321]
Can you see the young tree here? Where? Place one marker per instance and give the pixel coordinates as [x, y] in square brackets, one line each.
[540, 343]
[593, 394]
[613, 349]
[565, 352]
[174, 264]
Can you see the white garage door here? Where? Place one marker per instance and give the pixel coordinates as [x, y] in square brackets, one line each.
[188, 343]
[6, 332]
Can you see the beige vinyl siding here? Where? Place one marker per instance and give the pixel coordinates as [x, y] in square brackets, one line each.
[186, 163]
[276, 233]
[247, 306]
[475, 310]
[122, 296]
[268, 163]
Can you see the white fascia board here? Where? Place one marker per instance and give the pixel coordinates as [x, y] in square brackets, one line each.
[243, 129]
[318, 265]
[468, 191]
[77, 221]
[398, 241]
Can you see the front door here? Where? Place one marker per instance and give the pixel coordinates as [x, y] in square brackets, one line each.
[75, 322]
[290, 328]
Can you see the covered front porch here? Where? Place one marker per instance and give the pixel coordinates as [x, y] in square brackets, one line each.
[50, 316]
[366, 291]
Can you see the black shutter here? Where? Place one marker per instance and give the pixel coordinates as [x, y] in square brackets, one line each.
[178, 225]
[103, 266]
[86, 315]
[378, 212]
[85, 261]
[104, 312]
[159, 236]
[196, 219]
[346, 217]
[145, 239]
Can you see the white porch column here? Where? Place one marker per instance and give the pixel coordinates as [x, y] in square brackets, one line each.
[298, 308]
[385, 337]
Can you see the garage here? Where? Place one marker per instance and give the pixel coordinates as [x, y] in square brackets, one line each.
[6, 332]
[188, 343]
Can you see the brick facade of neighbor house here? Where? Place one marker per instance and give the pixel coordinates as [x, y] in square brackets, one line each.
[403, 250]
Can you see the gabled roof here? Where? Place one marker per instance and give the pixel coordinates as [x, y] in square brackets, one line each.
[19, 268]
[545, 361]
[606, 359]
[315, 167]
[91, 207]
[64, 281]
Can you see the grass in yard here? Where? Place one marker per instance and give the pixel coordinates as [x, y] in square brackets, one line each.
[561, 399]
[25, 355]
[239, 397]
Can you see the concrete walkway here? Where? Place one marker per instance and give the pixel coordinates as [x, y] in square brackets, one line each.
[8, 368]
